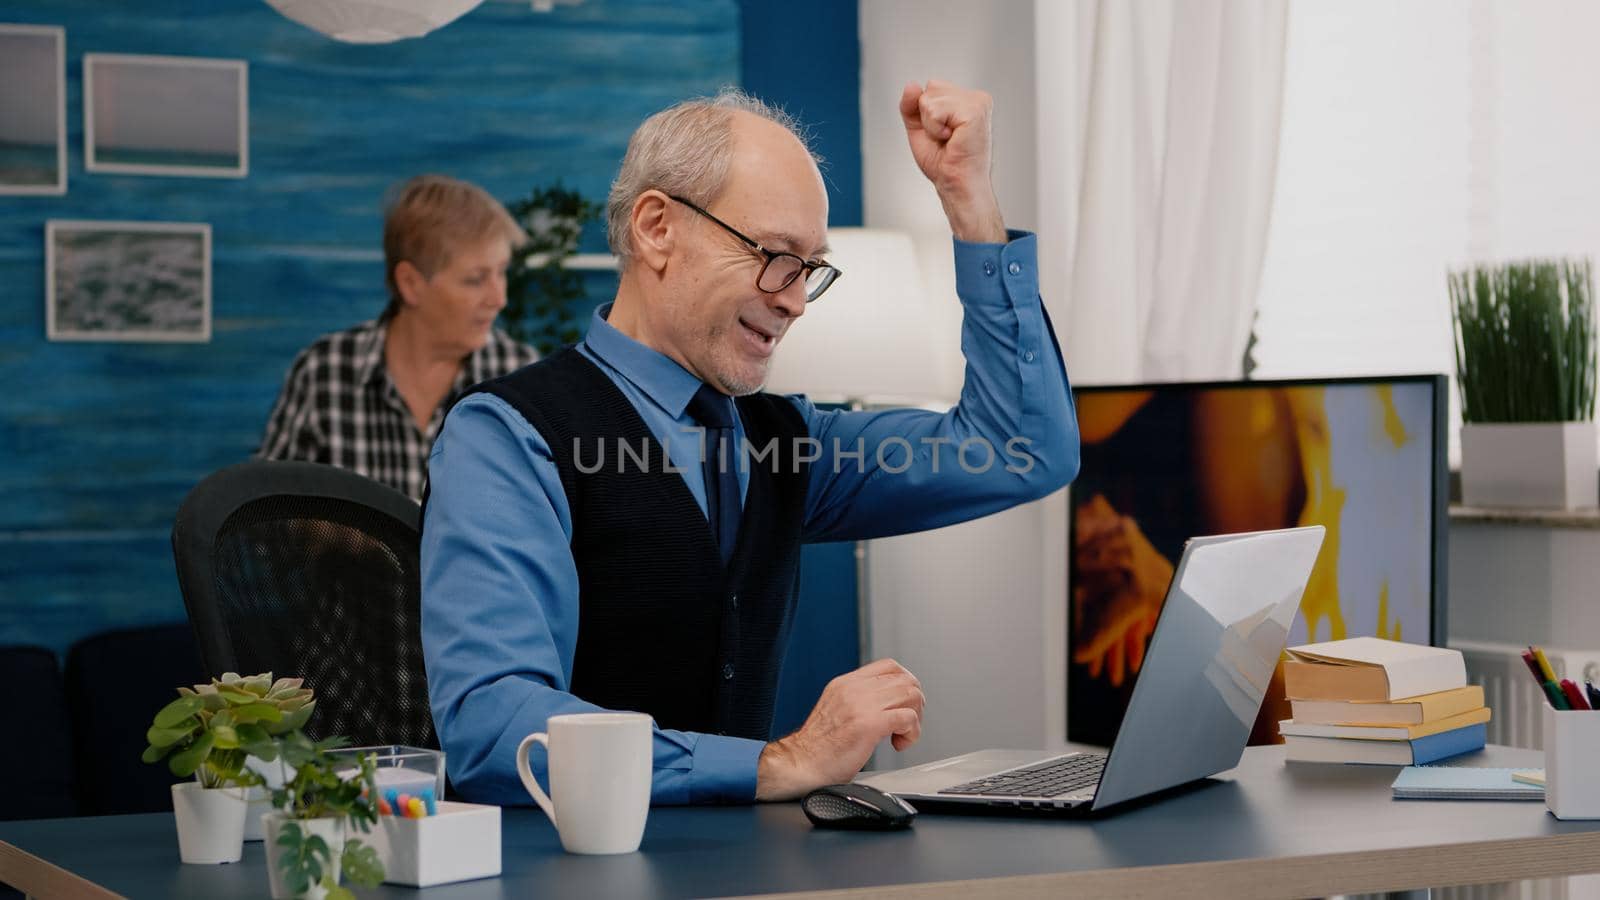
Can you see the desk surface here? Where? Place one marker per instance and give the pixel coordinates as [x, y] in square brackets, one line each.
[1263, 829]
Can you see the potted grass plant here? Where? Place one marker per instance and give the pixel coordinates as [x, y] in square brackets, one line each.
[1525, 365]
[321, 807]
[207, 734]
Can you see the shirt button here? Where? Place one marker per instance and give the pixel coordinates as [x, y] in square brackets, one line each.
[727, 672]
[1014, 268]
[1027, 356]
[988, 267]
[733, 602]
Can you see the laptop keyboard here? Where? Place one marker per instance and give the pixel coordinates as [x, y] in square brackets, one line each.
[1067, 775]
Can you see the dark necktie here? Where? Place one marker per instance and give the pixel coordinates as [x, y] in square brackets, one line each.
[714, 411]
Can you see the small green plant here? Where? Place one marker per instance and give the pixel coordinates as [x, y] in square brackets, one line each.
[211, 728]
[314, 789]
[541, 292]
[1525, 341]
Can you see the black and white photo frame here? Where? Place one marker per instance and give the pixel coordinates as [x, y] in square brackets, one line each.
[127, 281]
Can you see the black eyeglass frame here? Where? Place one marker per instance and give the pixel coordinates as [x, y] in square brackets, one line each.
[805, 266]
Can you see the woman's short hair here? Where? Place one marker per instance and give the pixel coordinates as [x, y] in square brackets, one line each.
[684, 150]
[428, 217]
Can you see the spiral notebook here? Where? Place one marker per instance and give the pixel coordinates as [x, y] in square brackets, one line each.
[1462, 783]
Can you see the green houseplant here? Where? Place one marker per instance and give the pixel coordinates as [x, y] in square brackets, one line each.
[320, 802]
[1525, 364]
[541, 291]
[207, 733]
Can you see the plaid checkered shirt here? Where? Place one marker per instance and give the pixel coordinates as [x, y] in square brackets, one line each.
[339, 406]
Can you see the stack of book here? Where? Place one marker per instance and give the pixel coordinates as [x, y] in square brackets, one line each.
[1367, 700]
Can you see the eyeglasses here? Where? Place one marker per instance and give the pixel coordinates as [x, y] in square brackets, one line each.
[780, 269]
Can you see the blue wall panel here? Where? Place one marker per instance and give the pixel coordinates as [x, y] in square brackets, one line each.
[807, 58]
[100, 441]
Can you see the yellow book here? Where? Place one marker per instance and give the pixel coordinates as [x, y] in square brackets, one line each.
[1411, 711]
[1384, 732]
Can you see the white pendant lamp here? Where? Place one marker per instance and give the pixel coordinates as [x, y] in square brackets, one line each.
[373, 21]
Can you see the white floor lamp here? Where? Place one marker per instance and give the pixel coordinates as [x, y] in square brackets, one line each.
[870, 341]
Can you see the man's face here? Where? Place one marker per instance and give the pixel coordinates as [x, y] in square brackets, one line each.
[717, 322]
[459, 303]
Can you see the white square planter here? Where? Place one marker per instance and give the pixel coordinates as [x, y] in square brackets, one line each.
[1548, 465]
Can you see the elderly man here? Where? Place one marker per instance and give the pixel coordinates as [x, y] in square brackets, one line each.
[619, 526]
[371, 398]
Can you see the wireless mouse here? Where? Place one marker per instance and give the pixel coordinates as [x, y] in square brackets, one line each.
[856, 806]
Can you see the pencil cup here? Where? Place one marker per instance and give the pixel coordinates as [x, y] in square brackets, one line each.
[1571, 746]
[461, 841]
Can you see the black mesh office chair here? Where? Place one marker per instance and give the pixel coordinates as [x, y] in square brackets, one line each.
[311, 571]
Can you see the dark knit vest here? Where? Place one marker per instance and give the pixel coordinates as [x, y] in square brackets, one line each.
[663, 628]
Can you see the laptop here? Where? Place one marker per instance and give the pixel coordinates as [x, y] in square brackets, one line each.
[1224, 625]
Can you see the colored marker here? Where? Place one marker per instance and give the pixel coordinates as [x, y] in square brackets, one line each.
[1557, 699]
[394, 803]
[427, 800]
[1544, 663]
[1573, 695]
[1594, 694]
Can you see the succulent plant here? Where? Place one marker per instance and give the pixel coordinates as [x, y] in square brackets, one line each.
[211, 728]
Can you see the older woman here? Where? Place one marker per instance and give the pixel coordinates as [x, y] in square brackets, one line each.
[371, 398]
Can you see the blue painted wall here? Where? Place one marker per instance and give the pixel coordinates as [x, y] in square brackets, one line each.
[807, 57]
[101, 441]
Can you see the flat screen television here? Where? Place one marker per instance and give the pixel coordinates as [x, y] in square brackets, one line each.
[1363, 457]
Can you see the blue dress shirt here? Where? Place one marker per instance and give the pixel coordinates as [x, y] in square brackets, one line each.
[500, 587]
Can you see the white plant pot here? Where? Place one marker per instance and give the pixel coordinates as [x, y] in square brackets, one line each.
[330, 830]
[258, 802]
[1548, 465]
[210, 823]
[260, 798]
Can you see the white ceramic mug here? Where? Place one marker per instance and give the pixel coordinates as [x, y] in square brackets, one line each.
[600, 766]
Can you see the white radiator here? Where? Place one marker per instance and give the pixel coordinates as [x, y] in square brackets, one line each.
[1509, 690]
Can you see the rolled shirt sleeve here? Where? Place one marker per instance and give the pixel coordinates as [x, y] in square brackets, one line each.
[1013, 436]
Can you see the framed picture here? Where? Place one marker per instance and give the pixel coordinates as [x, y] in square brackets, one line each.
[127, 281]
[166, 115]
[33, 109]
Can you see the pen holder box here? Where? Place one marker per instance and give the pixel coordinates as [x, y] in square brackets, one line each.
[458, 843]
[1571, 746]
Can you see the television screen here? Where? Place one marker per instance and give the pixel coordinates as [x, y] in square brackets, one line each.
[1364, 458]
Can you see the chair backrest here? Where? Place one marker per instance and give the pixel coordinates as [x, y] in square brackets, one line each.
[115, 682]
[36, 757]
[311, 571]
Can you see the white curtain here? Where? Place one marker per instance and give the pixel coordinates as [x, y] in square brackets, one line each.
[1158, 130]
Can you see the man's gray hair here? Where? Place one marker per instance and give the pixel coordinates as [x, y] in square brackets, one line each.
[685, 150]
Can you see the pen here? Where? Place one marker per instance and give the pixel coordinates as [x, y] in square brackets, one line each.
[1533, 665]
[1544, 663]
[1557, 699]
[1573, 695]
[1552, 692]
[1594, 694]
